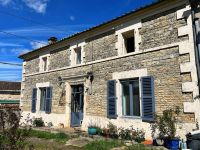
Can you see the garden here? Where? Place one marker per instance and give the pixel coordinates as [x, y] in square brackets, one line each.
[14, 135]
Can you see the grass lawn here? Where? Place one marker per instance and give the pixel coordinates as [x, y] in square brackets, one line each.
[59, 137]
[42, 140]
[47, 144]
[103, 145]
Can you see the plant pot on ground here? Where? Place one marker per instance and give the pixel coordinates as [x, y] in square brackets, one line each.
[165, 124]
[106, 132]
[92, 130]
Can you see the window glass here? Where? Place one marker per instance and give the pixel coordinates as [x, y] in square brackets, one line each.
[78, 55]
[130, 97]
[42, 99]
[136, 98]
[126, 99]
[44, 59]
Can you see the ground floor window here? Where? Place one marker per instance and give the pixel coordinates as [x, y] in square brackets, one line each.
[137, 98]
[130, 97]
[42, 96]
[42, 99]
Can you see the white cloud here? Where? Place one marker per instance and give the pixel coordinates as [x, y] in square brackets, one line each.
[36, 45]
[38, 5]
[10, 44]
[19, 51]
[72, 18]
[5, 2]
[10, 67]
[40, 31]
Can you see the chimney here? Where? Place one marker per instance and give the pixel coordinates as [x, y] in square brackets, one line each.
[52, 40]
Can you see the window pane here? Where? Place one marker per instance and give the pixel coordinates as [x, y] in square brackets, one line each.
[78, 56]
[136, 98]
[42, 99]
[125, 98]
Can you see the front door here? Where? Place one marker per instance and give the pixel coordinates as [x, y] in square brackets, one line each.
[77, 104]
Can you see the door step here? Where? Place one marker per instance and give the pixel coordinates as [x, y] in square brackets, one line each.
[77, 129]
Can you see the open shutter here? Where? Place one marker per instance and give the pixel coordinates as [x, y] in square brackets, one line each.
[148, 99]
[34, 99]
[48, 101]
[111, 99]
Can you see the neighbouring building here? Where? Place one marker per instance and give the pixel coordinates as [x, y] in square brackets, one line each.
[122, 71]
[9, 94]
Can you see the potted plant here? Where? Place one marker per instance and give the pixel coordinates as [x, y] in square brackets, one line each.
[165, 124]
[106, 132]
[92, 129]
[157, 125]
[113, 131]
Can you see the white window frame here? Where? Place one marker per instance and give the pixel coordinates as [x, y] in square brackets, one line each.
[41, 64]
[39, 86]
[124, 42]
[131, 116]
[133, 25]
[73, 48]
[123, 76]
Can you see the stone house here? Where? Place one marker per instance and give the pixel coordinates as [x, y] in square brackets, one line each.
[122, 71]
[9, 94]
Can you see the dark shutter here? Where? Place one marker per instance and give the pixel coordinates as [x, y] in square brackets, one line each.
[48, 101]
[148, 99]
[111, 99]
[34, 99]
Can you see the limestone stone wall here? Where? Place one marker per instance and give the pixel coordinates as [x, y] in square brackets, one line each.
[32, 65]
[161, 29]
[100, 46]
[59, 58]
[9, 96]
[164, 65]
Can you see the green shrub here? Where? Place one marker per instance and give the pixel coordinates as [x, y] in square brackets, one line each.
[166, 123]
[11, 137]
[99, 131]
[102, 145]
[38, 122]
[125, 134]
[132, 134]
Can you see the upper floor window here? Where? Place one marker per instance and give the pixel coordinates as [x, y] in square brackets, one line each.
[78, 55]
[129, 41]
[44, 62]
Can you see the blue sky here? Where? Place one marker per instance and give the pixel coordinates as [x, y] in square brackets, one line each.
[37, 20]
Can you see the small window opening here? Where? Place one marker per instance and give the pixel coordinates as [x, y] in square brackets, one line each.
[78, 55]
[129, 41]
[44, 59]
